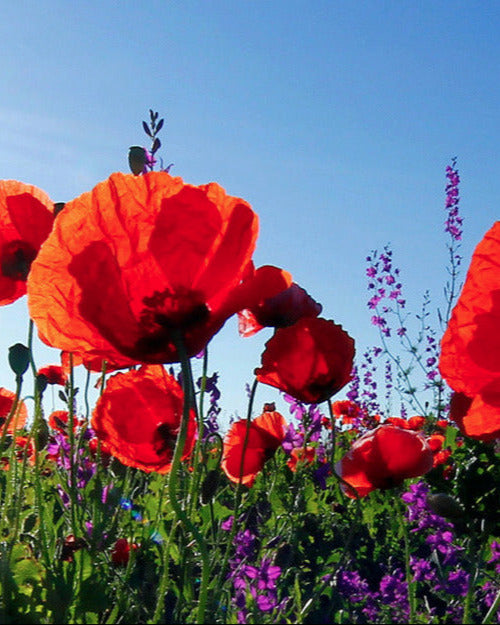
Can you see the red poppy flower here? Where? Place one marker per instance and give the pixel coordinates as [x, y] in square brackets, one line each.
[383, 458]
[18, 421]
[299, 454]
[121, 552]
[346, 410]
[55, 374]
[413, 423]
[58, 420]
[26, 218]
[100, 449]
[469, 359]
[280, 311]
[138, 417]
[311, 360]
[266, 433]
[141, 258]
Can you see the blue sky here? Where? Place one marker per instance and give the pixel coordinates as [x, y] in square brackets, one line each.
[335, 120]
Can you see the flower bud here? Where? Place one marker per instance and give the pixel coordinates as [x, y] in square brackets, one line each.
[209, 485]
[19, 358]
[444, 505]
[137, 159]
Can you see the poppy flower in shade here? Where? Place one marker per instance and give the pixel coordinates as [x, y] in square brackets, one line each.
[413, 423]
[280, 311]
[384, 457]
[311, 360]
[265, 436]
[141, 259]
[23, 445]
[18, 421]
[301, 455]
[54, 374]
[346, 410]
[26, 218]
[138, 417]
[470, 346]
[58, 420]
[100, 450]
[121, 552]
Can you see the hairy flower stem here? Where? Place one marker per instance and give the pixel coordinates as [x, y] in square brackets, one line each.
[179, 514]
[35, 430]
[73, 450]
[334, 432]
[492, 611]
[218, 581]
[412, 585]
[196, 476]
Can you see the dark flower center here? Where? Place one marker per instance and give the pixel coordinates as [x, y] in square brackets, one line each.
[164, 441]
[17, 257]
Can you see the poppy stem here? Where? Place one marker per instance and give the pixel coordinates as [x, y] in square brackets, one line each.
[73, 448]
[412, 585]
[197, 454]
[35, 433]
[180, 515]
[334, 432]
[238, 494]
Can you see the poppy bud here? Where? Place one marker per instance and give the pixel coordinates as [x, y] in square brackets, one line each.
[121, 552]
[42, 435]
[444, 505]
[70, 545]
[41, 383]
[19, 358]
[58, 206]
[137, 159]
[209, 485]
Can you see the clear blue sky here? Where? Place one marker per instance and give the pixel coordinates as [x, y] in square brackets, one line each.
[335, 120]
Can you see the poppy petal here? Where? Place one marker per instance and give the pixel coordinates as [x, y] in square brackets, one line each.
[139, 414]
[26, 218]
[137, 257]
[471, 344]
[310, 360]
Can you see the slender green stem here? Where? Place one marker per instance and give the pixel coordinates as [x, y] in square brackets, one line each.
[218, 580]
[165, 577]
[412, 584]
[334, 432]
[492, 611]
[73, 451]
[187, 377]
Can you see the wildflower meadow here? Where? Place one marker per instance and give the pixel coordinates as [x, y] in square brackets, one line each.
[372, 499]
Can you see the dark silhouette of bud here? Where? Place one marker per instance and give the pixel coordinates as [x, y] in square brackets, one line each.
[19, 358]
[445, 505]
[41, 383]
[137, 159]
[58, 206]
[209, 485]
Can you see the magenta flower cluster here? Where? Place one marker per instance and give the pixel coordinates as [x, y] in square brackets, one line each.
[453, 224]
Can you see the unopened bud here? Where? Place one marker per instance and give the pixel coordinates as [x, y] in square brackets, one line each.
[209, 486]
[19, 358]
[137, 159]
[445, 505]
